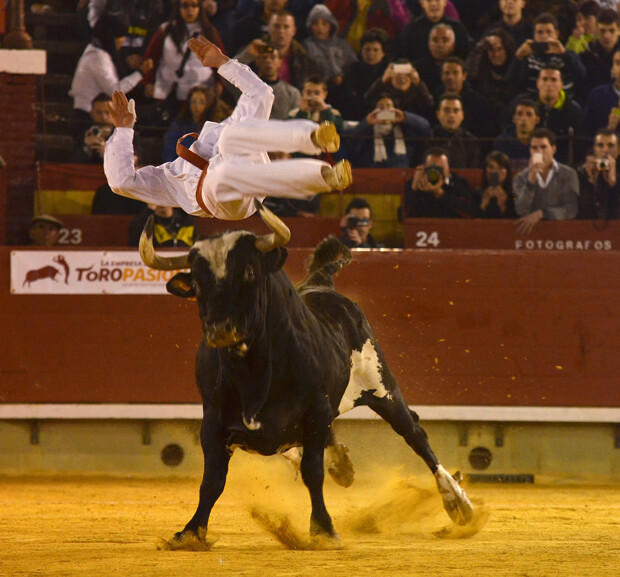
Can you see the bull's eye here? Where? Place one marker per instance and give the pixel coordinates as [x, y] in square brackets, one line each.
[249, 276]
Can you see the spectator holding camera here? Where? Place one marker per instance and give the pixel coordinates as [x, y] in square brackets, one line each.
[401, 82]
[496, 200]
[312, 105]
[599, 189]
[545, 49]
[356, 225]
[388, 137]
[434, 192]
[90, 149]
[545, 189]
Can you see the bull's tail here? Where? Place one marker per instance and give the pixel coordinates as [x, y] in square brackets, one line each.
[328, 258]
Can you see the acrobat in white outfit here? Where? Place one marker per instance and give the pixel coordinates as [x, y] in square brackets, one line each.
[239, 168]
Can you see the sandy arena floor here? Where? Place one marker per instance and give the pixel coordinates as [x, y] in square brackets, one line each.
[389, 524]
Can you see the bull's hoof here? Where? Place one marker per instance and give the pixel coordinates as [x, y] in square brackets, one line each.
[339, 465]
[187, 540]
[455, 500]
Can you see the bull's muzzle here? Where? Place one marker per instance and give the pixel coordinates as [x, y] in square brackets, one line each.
[222, 335]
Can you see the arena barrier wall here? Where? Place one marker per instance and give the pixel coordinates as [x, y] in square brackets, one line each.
[468, 332]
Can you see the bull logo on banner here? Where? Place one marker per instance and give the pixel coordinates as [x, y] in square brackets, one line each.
[48, 271]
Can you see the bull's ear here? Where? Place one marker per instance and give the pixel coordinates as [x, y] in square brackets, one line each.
[274, 259]
[180, 285]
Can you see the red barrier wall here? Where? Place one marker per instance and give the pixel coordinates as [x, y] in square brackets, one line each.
[458, 327]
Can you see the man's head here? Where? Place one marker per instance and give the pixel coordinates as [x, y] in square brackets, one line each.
[99, 111]
[434, 9]
[268, 63]
[543, 142]
[549, 85]
[450, 111]
[525, 118]
[615, 68]
[44, 230]
[373, 44]
[453, 74]
[608, 28]
[436, 164]
[314, 88]
[282, 30]
[546, 28]
[359, 216]
[587, 16]
[441, 42]
[403, 75]
[606, 144]
[512, 10]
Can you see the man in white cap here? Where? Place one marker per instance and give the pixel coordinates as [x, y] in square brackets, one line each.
[44, 230]
[227, 167]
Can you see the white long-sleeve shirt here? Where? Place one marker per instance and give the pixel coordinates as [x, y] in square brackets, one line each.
[174, 183]
[95, 73]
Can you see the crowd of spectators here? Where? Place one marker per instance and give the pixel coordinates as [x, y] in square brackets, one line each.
[434, 85]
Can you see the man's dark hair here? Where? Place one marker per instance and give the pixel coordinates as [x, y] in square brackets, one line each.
[525, 102]
[608, 16]
[435, 151]
[375, 35]
[546, 18]
[454, 60]
[448, 96]
[358, 202]
[283, 12]
[545, 133]
[315, 79]
[606, 132]
[102, 97]
[589, 8]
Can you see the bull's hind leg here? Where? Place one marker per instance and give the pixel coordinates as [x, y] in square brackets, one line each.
[406, 423]
[316, 426]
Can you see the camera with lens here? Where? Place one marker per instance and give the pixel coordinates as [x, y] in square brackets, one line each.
[355, 222]
[602, 163]
[265, 49]
[434, 174]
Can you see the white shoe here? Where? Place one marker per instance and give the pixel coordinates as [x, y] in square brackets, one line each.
[326, 137]
[339, 176]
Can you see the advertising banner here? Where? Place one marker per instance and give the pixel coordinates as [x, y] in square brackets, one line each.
[84, 272]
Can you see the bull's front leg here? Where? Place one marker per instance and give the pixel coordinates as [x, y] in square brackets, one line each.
[316, 428]
[216, 459]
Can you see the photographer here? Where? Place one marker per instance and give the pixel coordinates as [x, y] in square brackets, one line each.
[598, 181]
[356, 225]
[92, 145]
[434, 192]
[312, 105]
[496, 200]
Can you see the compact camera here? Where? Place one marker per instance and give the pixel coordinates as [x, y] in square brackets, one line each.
[602, 163]
[402, 68]
[493, 178]
[355, 222]
[434, 174]
[540, 48]
[386, 115]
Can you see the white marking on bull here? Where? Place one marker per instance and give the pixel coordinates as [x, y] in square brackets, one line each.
[365, 377]
[215, 251]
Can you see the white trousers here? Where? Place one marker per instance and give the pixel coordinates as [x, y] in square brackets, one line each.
[243, 170]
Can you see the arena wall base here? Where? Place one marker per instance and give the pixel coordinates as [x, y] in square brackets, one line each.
[506, 451]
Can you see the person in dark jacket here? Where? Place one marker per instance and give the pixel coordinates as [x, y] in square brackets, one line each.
[173, 227]
[496, 199]
[434, 192]
[603, 105]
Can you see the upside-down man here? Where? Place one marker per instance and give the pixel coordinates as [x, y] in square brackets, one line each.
[239, 169]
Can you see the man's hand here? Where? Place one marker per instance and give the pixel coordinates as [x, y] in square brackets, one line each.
[122, 112]
[556, 47]
[207, 52]
[610, 175]
[526, 224]
[524, 50]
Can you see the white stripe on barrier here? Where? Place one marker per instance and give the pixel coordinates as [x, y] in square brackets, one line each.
[427, 412]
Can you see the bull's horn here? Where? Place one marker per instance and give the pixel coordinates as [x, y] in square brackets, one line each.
[280, 235]
[151, 258]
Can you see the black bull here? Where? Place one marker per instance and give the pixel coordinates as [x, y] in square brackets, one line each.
[276, 365]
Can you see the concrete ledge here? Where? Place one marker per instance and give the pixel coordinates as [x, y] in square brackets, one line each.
[192, 411]
[23, 61]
